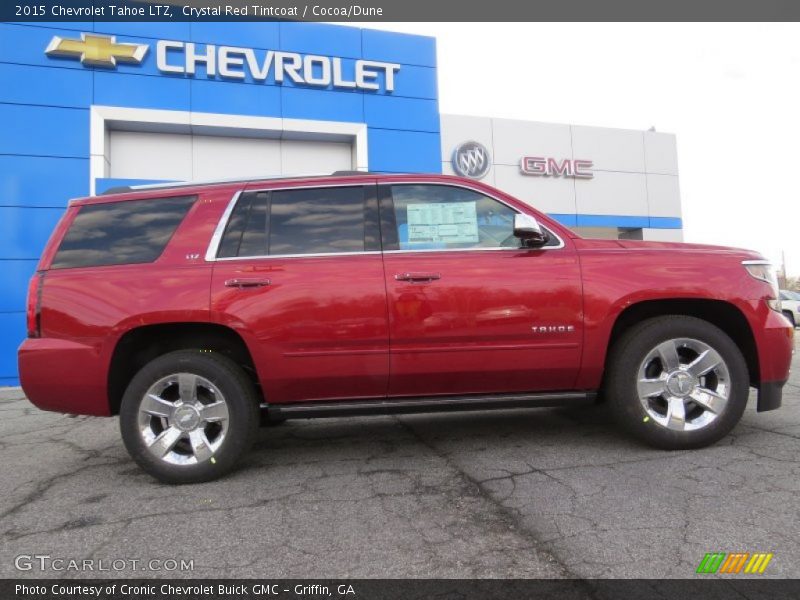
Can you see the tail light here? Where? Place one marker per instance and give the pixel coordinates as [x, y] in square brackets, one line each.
[34, 308]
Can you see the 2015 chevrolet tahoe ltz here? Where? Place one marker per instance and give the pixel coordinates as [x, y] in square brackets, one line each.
[197, 312]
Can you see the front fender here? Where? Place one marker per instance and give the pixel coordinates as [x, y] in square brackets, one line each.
[615, 280]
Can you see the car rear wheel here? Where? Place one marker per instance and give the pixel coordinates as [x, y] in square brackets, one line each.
[188, 416]
[677, 382]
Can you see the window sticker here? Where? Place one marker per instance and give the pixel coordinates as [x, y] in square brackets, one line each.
[448, 222]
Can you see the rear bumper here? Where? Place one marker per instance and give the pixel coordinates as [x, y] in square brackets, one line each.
[63, 376]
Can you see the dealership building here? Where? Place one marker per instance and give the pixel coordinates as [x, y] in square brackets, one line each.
[88, 106]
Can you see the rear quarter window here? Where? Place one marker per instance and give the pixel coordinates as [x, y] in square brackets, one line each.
[118, 233]
[301, 222]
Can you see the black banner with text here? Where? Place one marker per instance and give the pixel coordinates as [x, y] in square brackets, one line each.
[717, 588]
[408, 10]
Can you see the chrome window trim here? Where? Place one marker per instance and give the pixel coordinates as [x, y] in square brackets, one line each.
[312, 255]
[216, 238]
[461, 185]
[486, 249]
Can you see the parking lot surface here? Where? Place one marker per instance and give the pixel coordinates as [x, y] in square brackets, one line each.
[522, 493]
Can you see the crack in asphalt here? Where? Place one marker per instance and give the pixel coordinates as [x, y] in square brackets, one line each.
[142, 517]
[776, 432]
[510, 515]
[667, 456]
[42, 487]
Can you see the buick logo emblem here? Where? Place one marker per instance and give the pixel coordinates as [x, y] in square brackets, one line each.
[472, 160]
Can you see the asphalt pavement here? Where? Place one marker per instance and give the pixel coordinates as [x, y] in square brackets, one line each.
[519, 493]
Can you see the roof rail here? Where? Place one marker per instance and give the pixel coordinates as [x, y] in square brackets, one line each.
[351, 173]
[180, 184]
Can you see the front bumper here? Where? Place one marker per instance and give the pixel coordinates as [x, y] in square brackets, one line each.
[774, 337]
[770, 395]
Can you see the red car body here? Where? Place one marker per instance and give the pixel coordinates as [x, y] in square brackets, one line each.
[344, 326]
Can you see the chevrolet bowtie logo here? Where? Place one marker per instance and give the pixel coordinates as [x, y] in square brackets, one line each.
[97, 50]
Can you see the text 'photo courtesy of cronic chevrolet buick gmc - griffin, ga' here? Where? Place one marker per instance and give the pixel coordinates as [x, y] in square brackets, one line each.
[197, 312]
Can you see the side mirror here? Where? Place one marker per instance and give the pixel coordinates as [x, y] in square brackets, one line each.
[528, 230]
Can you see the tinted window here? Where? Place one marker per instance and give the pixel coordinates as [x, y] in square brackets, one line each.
[246, 233]
[430, 217]
[307, 221]
[316, 221]
[135, 231]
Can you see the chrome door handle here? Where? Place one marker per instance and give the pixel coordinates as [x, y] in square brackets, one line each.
[247, 283]
[417, 277]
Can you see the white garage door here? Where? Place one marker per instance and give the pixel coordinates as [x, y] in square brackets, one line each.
[183, 157]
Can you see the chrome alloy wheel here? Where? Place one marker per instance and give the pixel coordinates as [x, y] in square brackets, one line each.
[183, 419]
[683, 384]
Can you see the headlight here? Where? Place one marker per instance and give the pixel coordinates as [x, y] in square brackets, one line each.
[764, 271]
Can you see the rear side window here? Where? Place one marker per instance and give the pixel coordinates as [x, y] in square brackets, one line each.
[317, 221]
[118, 233]
[300, 222]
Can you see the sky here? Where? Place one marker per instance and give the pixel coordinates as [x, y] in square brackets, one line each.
[730, 92]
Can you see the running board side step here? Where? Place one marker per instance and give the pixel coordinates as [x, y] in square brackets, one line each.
[383, 406]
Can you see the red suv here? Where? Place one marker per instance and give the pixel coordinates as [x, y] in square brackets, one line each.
[196, 312]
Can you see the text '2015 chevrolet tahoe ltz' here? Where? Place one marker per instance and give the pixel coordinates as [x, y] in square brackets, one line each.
[196, 312]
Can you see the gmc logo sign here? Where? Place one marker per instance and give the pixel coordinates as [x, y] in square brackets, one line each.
[550, 167]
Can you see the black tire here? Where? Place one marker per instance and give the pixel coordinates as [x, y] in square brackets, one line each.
[789, 315]
[625, 360]
[241, 422]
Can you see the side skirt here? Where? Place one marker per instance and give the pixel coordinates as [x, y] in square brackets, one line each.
[384, 406]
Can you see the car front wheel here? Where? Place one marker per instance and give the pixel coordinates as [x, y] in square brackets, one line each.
[188, 416]
[677, 382]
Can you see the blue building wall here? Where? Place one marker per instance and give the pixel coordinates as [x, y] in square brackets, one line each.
[44, 112]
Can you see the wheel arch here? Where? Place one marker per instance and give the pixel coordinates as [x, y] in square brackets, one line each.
[721, 313]
[138, 346]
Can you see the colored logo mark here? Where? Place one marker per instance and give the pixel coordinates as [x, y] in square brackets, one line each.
[734, 563]
[97, 50]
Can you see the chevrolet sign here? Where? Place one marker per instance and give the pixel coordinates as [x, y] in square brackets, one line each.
[229, 62]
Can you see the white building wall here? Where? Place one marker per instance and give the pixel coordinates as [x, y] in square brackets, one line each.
[635, 172]
[662, 235]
